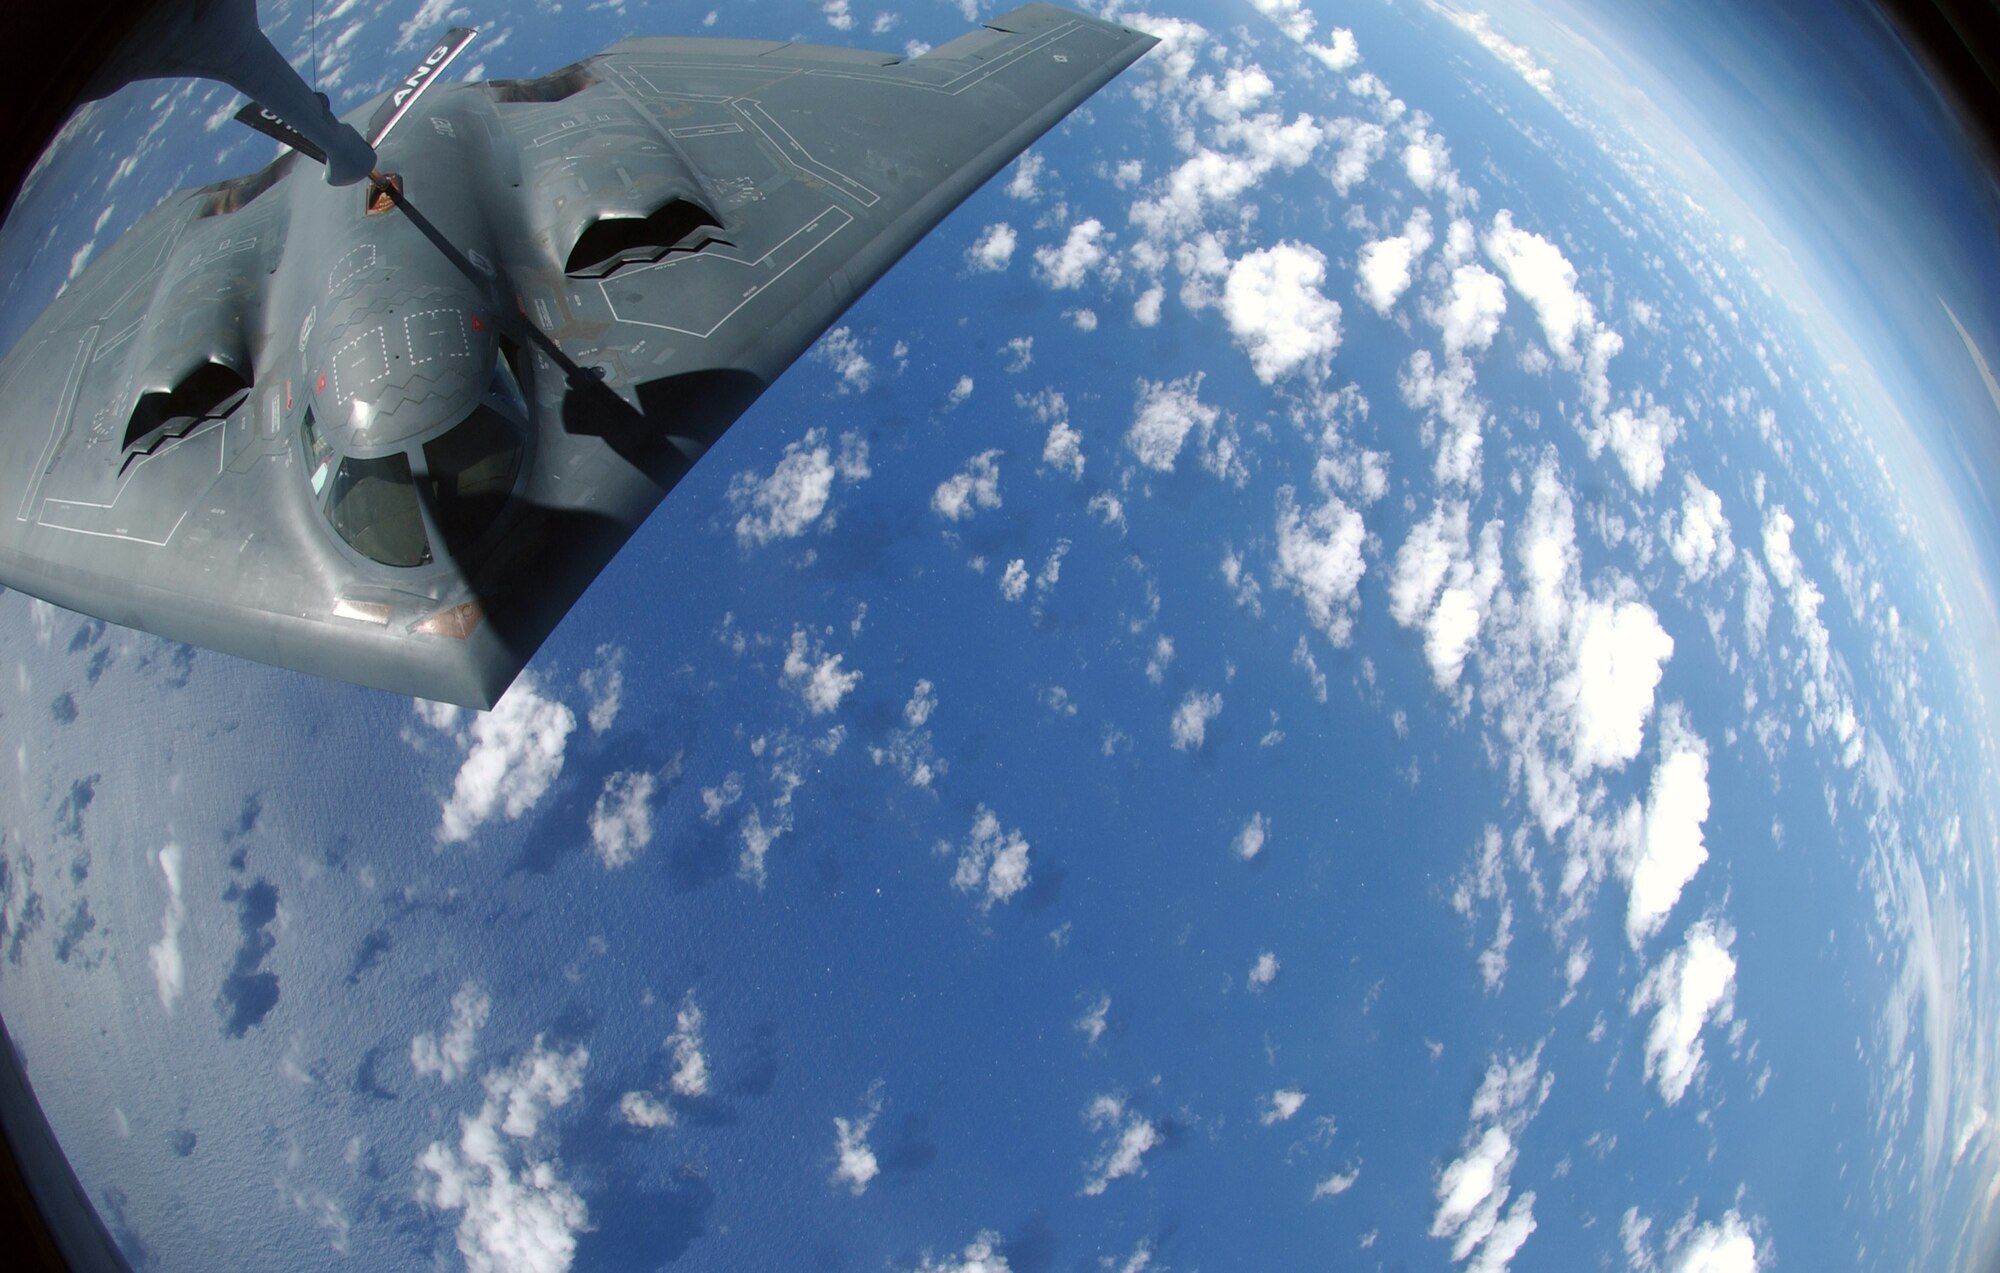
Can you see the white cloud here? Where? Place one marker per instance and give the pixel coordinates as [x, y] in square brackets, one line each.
[1014, 580]
[854, 1162]
[1639, 441]
[993, 861]
[513, 755]
[1191, 718]
[520, 1216]
[1727, 1246]
[923, 701]
[1168, 411]
[169, 973]
[1051, 572]
[1340, 53]
[840, 349]
[1438, 586]
[785, 504]
[1264, 971]
[1514, 56]
[1469, 315]
[1290, 16]
[1621, 650]
[1336, 1184]
[959, 393]
[981, 1255]
[1538, 270]
[1161, 659]
[604, 685]
[1701, 543]
[1277, 313]
[1474, 1189]
[1067, 266]
[1083, 319]
[977, 486]
[1361, 144]
[1385, 267]
[1095, 1020]
[1687, 989]
[1146, 310]
[838, 15]
[621, 824]
[1281, 1105]
[993, 249]
[1319, 559]
[451, 1056]
[1132, 1137]
[1026, 183]
[817, 675]
[643, 1111]
[1427, 163]
[690, 1077]
[1447, 394]
[1249, 842]
[1064, 449]
[1671, 850]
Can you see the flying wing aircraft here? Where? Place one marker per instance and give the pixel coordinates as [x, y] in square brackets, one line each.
[389, 432]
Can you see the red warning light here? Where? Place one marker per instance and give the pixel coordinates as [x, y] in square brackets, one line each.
[478, 324]
[321, 386]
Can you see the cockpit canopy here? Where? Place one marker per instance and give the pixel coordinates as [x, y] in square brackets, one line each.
[389, 507]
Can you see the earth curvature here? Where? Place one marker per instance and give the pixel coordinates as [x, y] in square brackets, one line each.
[1376, 657]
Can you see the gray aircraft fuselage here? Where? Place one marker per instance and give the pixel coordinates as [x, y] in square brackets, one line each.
[390, 437]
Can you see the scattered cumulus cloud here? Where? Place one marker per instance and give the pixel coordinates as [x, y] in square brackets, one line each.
[1281, 1105]
[1190, 722]
[1275, 310]
[1468, 316]
[817, 675]
[449, 1056]
[1700, 541]
[1264, 971]
[1063, 451]
[1360, 143]
[1066, 266]
[1320, 561]
[1473, 1191]
[513, 754]
[604, 686]
[840, 349]
[1670, 850]
[169, 973]
[975, 487]
[1131, 1136]
[690, 1079]
[1249, 841]
[855, 1164]
[993, 249]
[984, 1254]
[1514, 56]
[1384, 268]
[644, 1112]
[1014, 580]
[621, 823]
[1168, 411]
[1686, 990]
[788, 501]
[993, 862]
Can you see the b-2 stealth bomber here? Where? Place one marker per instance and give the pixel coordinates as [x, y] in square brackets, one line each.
[388, 432]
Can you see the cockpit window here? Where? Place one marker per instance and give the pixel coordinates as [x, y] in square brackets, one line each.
[319, 456]
[373, 505]
[472, 472]
[506, 386]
